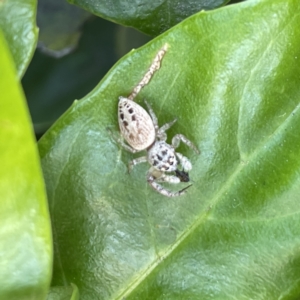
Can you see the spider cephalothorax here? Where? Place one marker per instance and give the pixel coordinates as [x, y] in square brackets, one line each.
[141, 131]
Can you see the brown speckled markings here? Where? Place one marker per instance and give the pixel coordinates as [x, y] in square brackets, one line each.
[162, 157]
[141, 131]
[135, 124]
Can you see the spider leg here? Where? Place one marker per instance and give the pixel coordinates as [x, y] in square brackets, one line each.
[153, 182]
[120, 141]
[168, 178]
[153, 115]
[181, 138]
[184, 161]
[136, 161]
[161, 133]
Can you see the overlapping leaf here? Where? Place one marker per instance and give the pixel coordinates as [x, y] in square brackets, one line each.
[60, 26]
[231, 76]
[17, 21]
[151, 17]
[26, 244]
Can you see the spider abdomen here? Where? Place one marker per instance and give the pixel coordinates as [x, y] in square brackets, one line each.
[162, 157]
[135, 124]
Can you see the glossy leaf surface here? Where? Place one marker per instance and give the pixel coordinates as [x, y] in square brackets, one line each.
[231, 76]
[151, 17]
[17, 21]
[26, 244]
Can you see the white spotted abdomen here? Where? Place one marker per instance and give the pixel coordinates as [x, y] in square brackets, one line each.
[162, 157]
[135, 124]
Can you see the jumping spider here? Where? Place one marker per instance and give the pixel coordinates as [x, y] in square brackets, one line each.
[141, 131]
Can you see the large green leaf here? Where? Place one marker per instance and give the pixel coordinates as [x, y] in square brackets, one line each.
[17, 20]
[151, 17]
[26, 244]
[231, 76]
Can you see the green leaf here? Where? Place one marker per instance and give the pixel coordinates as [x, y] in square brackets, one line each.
[17, 21]
[60, 26]
[26, 244]
[48, 93]
[64, 293]
[231, 76]
[151, 17]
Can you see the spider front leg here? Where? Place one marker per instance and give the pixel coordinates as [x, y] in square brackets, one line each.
[153, 182]
[160, 132]
[183, 174]
[136, 161]
[181, 138]
[121, 142]
[152, 114]
[184, 162]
